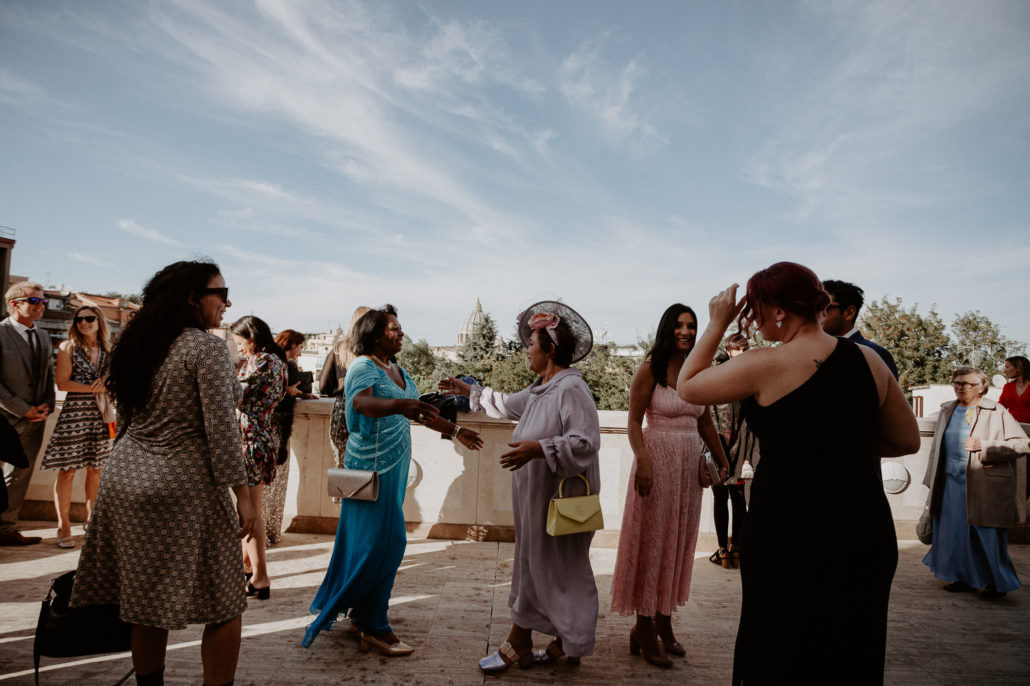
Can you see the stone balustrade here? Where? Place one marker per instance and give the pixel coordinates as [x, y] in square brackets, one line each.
[457, 493]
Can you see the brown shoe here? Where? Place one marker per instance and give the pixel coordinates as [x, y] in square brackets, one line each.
[15, 538]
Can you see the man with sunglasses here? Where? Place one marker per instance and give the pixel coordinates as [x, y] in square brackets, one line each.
[26, 394]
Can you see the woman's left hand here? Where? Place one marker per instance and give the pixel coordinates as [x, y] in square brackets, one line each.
[523, 452]
[972, 444]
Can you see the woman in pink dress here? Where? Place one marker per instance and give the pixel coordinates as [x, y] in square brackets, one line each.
[663, 502]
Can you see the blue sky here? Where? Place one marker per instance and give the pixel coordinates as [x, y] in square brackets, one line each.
[620, 156]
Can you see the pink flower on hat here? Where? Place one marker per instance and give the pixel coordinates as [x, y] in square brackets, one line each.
[544, 320]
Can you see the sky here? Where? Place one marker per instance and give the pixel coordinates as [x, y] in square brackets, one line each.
[620, 156]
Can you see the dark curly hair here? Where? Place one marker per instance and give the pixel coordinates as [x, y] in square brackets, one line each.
[665, 341]
[369, 327]
[255, 330]
[166, 312]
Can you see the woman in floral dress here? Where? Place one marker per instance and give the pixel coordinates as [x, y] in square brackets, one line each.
[262, 371]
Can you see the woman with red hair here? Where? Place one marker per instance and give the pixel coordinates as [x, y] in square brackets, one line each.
[824, 410]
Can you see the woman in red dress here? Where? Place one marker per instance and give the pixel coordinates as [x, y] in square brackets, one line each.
[1015, 396]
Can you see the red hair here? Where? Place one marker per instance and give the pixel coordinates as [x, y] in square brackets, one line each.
[787, 285]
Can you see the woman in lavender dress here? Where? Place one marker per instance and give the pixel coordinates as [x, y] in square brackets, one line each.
[552, 585]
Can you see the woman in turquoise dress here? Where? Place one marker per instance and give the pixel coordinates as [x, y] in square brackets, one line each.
[370, 537]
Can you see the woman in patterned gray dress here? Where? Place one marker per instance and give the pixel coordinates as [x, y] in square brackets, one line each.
[163, 539]
[81, 439]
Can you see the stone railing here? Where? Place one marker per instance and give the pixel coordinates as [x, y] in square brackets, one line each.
[457, 493]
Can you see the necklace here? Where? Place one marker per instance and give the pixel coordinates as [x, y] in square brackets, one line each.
[385, 365]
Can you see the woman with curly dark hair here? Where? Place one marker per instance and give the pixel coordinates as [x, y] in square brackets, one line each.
[162, 540]
[261, 370]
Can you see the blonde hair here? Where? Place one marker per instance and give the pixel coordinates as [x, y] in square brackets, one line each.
[344, 346]
[965, 369]
[75, 336]
[22, 289]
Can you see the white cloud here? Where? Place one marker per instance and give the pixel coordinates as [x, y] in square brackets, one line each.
[130, 226]
[604, 92]
[15, 89]
[86, 259]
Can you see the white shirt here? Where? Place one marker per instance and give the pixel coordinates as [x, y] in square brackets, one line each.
[24, 331]
[852, 333]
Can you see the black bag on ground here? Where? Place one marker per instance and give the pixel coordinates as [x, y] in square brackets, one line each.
[70, 632]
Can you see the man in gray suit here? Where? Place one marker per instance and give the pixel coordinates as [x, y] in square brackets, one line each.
[26, 394]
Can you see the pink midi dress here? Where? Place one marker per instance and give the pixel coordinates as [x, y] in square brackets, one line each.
[659, 532]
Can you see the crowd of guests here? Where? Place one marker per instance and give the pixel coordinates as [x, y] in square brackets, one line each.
[191, 489]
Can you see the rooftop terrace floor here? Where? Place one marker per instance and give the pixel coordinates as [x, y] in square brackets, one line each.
[450, 602]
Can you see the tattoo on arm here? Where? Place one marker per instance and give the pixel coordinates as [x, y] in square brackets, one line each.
[818, 363]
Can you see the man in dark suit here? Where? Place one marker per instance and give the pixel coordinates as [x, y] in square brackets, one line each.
[26, 394]
[846, 300]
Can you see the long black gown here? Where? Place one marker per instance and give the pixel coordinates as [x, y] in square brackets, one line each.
[819, 548]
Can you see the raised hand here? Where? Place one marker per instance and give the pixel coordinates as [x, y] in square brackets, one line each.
[452, 386]
[724, 307]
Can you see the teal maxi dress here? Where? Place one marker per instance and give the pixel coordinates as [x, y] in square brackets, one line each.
[370, 537]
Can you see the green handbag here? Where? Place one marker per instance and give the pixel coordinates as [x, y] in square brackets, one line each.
[576, 514]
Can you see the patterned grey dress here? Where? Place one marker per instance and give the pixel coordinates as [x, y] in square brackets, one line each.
[80, 438]
[162, 542]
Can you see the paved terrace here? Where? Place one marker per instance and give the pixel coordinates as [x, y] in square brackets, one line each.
[450, 602]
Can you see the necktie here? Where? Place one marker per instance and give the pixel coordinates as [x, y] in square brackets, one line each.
[33, 343]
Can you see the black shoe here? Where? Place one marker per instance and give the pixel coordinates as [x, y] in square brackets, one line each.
[957, 587]
[992, 593]
[16, 539]
[259, 593]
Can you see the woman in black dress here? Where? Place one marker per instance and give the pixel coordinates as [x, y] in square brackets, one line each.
[824, 410]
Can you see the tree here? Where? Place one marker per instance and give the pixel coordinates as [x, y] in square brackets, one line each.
[918, 343]
[482, 344]
[977, 341]
[608, 375]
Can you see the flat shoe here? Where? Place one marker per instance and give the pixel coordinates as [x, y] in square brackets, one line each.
[397, 649]
[992, 594]
[506, 657]
[65, 541]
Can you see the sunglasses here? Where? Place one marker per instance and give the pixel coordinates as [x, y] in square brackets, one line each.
[90, 318]
[222, 293]
[32, 300]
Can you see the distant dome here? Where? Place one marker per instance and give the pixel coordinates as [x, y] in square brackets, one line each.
[472, 321]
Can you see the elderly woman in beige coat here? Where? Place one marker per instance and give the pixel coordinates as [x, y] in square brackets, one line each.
[976, 475]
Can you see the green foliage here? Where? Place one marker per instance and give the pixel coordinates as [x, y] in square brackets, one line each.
[482, 345]
[608, 376]
[918, 343]
[978, 341]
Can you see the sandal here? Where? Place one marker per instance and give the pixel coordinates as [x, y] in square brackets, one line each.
[722, 557]
[506, 657]
[552, 654]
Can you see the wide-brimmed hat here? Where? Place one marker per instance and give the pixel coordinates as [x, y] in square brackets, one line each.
[581, 332]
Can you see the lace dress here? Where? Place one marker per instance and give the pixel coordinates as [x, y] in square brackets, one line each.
[80, 438]
[659, 532]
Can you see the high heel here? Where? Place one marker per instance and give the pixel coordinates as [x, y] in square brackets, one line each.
[397, 649]
[653, 653]
[259, 593]
[663, 627]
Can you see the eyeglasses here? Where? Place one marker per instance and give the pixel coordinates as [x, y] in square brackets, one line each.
[222, 293]
[89, 318]
[32, 300]
[963, 384]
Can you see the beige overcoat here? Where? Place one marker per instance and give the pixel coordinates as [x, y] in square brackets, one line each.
[995, 475]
